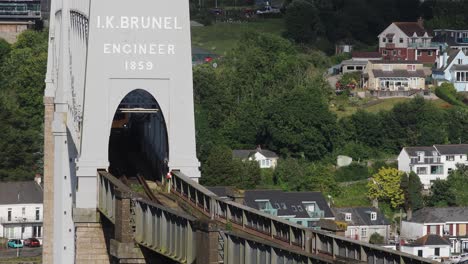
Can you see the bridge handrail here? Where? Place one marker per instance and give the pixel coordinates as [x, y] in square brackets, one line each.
[177, 175]
[293, 228]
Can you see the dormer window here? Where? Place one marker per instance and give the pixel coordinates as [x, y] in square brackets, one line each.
[373, 216]
[348, 216]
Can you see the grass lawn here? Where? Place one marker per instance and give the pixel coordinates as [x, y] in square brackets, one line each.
[353, 195]
[382, 105]
[222, 37]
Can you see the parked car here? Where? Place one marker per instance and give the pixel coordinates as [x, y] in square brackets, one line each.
[15, 243]
[435, 258]
[32, 242]
[464, 257]
[453, 259]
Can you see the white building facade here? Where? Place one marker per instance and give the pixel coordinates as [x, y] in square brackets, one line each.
[21, 210]
[452, 66]
[432, 163]
[449, 222]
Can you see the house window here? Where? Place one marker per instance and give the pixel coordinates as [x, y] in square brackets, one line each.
[421, 170]
[419, 53]
[399, 52]
[437, 251]
[411, 67]
[450, 158]
[348, 217]
[386, 67]
[420, 156]
[359, 68]
[449, 170]
[384, 40]
[9, 214]
[460, 61]
[294, 208]
[310, 207]
[37, 231]
[437, 170]
[401, 40]
[420, 253]
[299, 208]
[394, 52]
[429, 53]
[9, 232]
[37, 213]
[390, 40]
[23, 211]
[373, 216]
[462, 76]
[363, 232]
[384, 52]
[350, 68]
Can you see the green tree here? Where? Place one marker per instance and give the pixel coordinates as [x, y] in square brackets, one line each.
[458, 181]
[302, 21]
[4, 49]
[441, 194]
[220, 168]
[22, 71]
[412, 187]
[385, 186]
[288, 174]
[300, 124]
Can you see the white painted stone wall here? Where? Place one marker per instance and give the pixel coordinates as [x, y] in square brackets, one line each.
[19, 220]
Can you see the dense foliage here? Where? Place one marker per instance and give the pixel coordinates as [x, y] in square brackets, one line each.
[22, 72]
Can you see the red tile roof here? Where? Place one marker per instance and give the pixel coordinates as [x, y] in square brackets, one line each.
[366, 54]
[411, 27]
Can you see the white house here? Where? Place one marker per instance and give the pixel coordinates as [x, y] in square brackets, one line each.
[265, 158]
[431, 163]
[449, 222]
[452, 66]
[21, 210]
[362, 222]
[428, 246]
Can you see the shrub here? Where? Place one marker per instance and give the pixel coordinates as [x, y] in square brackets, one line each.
[448, 93]
[376, 238]
[353, 172]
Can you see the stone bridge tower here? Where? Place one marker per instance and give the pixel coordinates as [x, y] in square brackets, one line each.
[100, 51]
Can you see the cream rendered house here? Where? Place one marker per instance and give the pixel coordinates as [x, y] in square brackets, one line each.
[393, 76]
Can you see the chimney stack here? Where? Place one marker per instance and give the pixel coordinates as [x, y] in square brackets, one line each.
[421, 22]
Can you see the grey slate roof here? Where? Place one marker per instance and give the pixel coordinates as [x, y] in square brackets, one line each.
[20, 193]
[430, 240]
[460, 67]
[394, 62]
[452, 149]
[440, 215]
[286, 200]
[399, 73]
[221, 191]
[360, 216]
[246, 153]
[413, 151]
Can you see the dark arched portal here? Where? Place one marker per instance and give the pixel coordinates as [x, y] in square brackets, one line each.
[138, 141]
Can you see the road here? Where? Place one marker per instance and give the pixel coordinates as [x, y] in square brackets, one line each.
[23, 252]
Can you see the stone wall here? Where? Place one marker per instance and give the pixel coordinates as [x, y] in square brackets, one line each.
[90, 244]
[48, 234]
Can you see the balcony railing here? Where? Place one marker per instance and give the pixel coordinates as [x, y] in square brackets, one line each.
[427, 160]
[462, 40]
[317, 214]
[19, 220]
[424, 45]
[270, 211]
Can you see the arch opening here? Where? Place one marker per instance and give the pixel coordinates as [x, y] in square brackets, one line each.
[138, 143]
